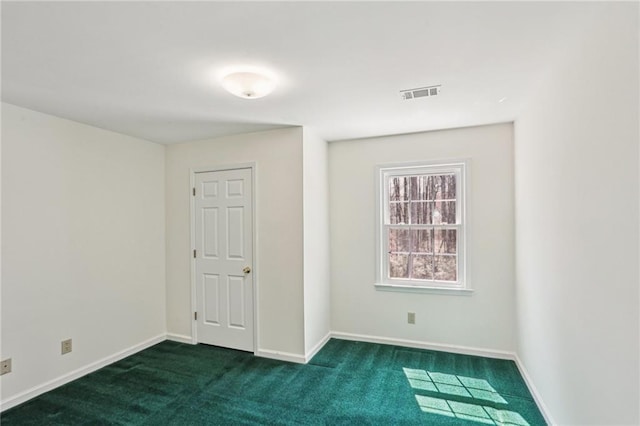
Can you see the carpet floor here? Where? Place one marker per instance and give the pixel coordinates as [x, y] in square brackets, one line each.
[346, 383]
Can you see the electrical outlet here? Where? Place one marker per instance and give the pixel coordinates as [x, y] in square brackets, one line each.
[5, 366]
[66, 346]
[411, 317]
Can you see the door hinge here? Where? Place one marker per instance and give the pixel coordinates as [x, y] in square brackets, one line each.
[194, 192]
[195, 316]
[194, 253]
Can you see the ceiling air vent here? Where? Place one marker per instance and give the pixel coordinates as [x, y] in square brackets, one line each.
[420, 92]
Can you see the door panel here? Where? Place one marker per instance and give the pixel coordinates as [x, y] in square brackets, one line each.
[211, 299]
[210, 231]
[236, 305]
[235, 240]
[224, 238]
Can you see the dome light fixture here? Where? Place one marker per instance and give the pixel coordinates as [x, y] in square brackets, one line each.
[248, 85]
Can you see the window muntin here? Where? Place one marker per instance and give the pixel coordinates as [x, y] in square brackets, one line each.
[422, 226]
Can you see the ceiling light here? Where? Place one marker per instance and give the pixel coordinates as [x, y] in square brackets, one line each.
[248, 85]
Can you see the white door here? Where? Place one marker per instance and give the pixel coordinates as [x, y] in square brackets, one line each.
[224, 258]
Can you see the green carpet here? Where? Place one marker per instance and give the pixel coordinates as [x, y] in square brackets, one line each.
[347, 382]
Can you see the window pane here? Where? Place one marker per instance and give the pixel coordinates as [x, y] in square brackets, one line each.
[444, 187]
[444, 268]
[421, 212]
[444, 212]
[398, 266]
[422, 267]
[445, 241]
[424, 188]
[422, 240]
[399, 240]
[398, 213]
[399, 188]
[433, 187]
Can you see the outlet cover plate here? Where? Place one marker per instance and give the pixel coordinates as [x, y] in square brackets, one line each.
[5, 366]
[66, 346]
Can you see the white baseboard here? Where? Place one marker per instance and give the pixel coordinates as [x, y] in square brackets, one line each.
[281, 356]
[290, 357]
[317, 348]
[76, 374]
[534, 391]
[464, 350]
[181, 338]
[284, 356]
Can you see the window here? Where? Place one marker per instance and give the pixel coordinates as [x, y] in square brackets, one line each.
[421, 226]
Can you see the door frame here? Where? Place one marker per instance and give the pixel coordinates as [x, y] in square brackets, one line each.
[254, 268]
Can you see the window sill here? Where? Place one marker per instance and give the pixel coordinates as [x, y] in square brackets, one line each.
[424, 289]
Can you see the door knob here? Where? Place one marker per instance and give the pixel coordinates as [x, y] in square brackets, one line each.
[246, 269]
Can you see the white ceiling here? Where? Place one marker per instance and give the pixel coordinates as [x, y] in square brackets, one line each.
[151, 69]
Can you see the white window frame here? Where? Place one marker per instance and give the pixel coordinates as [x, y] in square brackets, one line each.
[459, 167]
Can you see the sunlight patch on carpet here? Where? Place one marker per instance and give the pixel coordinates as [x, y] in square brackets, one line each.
[470, 389]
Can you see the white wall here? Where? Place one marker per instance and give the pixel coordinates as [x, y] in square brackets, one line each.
[576, 162]
[82, 244]
[317, 309]
[483, 320]
[279, 253]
